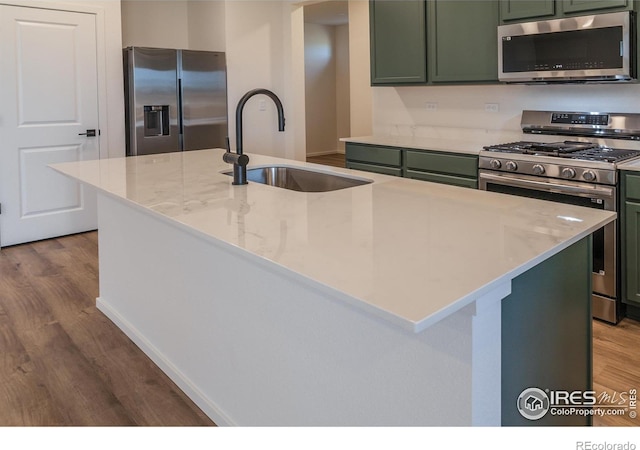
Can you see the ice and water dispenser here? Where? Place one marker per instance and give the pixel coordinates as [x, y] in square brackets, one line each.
[156, 120]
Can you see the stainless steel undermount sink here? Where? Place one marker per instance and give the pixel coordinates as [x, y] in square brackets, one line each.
[299, 179]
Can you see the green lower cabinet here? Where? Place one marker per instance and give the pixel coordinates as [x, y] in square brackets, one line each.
[385, 170]
[629, 219]
[374, 158]
[438, 167]
[632, 252]
[546, 334]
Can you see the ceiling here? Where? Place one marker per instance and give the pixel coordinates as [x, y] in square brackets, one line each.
[333, 12]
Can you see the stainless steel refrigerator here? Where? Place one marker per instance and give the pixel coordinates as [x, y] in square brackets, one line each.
[175, 100]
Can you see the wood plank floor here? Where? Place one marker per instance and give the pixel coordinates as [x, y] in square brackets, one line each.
[62, 362]
[333, 159]
[616, 364]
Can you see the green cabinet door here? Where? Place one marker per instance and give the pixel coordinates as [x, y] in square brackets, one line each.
[632, 252]
[398, 42]
[579, 6]
[463, 42]
[524, 10]
[374, 158]
[630, 241]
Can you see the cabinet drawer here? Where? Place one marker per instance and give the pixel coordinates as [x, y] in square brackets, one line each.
[633, 186]
[373, 168]
[442, 178]
[374, 154]
[444, 163]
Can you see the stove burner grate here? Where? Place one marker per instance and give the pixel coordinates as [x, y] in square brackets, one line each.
[567, 149]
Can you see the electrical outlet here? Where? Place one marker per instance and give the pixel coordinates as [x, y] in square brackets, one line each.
[431, 106]
[492, 107]
[262, 105]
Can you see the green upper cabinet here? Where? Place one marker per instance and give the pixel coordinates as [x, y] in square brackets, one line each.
[524, 10]
[398, 42]
[463, 42]
[531, 10]
[431, 42]
[585, 6]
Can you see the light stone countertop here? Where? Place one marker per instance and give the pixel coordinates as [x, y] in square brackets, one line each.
[471, 142]
[633, 165]
[468, 147]
[409, 251]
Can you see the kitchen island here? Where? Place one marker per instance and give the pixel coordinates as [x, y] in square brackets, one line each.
[397, 302]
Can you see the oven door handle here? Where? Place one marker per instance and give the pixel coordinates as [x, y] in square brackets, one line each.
[595, 191]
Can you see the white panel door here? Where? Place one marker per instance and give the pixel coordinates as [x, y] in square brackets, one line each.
[48, 98]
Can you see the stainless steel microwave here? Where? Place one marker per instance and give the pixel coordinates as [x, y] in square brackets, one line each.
[596, 48]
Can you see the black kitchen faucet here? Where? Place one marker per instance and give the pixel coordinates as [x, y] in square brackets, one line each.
[238, 159]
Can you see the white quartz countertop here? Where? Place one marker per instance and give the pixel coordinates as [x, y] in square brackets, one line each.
[469, 147]
[409, 251]
[471, 142]
[632, 165]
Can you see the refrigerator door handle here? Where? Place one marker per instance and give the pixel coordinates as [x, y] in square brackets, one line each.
[180, 109]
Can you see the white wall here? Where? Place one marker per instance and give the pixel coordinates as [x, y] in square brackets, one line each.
[360, 89]
[296, 139]
[343, 85]
[401, 110]
[258, 46]
[327, 82]
[206, 26]
[157, 23]
[320, 88]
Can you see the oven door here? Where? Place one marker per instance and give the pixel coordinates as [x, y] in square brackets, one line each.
[575, 193]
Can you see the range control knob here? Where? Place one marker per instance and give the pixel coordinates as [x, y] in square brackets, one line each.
[589, 175]
[511, 165]
[568, 172]
[495, 164]
[538, 169]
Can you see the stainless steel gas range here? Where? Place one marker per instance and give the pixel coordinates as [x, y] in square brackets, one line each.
[577, 169]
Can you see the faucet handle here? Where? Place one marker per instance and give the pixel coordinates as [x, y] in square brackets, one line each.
[232, 158]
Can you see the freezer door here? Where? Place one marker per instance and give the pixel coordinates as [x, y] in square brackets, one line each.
[204, 99]
[152, 101]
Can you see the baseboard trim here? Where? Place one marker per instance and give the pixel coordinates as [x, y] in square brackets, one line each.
[180, 379]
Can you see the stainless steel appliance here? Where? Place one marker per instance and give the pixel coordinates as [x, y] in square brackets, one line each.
[574, 171]
[175, 100]
[595, 48]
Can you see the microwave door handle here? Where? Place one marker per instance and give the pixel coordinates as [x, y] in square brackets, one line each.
[595, 191]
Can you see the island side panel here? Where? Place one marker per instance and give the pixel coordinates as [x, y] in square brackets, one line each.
[546, 333]
[252, 346]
